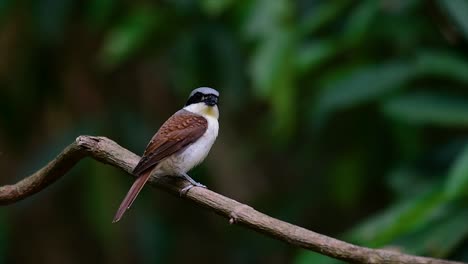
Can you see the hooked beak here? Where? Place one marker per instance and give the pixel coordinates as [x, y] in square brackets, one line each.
[211, 100]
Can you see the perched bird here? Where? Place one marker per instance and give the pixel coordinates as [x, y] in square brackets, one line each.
[182, 142]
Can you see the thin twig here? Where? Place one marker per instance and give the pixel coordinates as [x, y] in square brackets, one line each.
[107, 151]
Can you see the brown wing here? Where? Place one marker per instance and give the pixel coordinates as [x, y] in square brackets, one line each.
[179, 131]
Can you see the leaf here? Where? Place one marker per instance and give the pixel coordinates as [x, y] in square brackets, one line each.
[126, 38]
[360, 21]
[399, 219]
[458, 10]
[402, 180]
[265, 18]
[310, 56]
[272, 64]
[443, 64]
[215, 7]
[270, 61]
[363, 85]
[308, 257]
[321, 16]
[439, 237]
[428, 109]
[457, 182]
[273, 77]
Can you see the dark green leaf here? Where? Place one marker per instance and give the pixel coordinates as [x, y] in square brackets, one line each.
[129, 36]
[360, 21]
[272, 58]
[266, 18]
[273, 78]
[439, 237]
[457, 10]
[399, 219]
[321, 16]
[308, 257]
[310, 56]
[443, 65]
[403, 180]
[363, 85]
[428, 108]
[457, 182]
[215, 7]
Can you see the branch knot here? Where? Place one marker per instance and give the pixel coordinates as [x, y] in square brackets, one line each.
[237, 211]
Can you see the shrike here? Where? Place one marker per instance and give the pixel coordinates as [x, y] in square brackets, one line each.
[182, 142]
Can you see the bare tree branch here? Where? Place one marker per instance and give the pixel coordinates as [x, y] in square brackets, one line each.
[107, 151]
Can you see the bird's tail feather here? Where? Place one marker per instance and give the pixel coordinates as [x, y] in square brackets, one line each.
[131, 195]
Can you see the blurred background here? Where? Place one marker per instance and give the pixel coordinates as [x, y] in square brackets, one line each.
[349, 118]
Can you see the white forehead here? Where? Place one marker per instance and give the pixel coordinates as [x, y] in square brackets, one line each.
[205, 90]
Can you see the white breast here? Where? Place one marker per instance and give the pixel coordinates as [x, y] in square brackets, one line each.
[197, 152]
[194, 154]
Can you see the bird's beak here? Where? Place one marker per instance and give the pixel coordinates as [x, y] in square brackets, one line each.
[211, 100]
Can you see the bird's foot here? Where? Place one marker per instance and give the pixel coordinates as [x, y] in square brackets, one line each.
[192, 184]
[183, 192]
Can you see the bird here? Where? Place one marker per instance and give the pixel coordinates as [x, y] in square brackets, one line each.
[180, 144]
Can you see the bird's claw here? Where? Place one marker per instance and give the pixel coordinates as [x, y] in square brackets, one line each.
[183, 192]
[192, 184]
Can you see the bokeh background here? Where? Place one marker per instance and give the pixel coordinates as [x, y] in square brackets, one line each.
[349, 118]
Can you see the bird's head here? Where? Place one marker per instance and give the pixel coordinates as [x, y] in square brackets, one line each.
[203, 101]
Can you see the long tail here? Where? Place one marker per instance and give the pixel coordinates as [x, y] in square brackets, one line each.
[131, 195]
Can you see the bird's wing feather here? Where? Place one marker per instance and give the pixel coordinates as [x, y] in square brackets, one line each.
[179, 131]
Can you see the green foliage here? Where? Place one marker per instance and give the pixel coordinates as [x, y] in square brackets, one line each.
[360, 22]
[307, 257]
[311, 55]
[272, 66]
[322, 15]
[428, 108]
[404, 217]
[128, 36]
[215, 7]
[361, 85]
[442, 64]
[457, 10]
[439, 237]
[457, 182]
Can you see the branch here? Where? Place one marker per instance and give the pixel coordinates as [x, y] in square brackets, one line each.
[107, 151]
